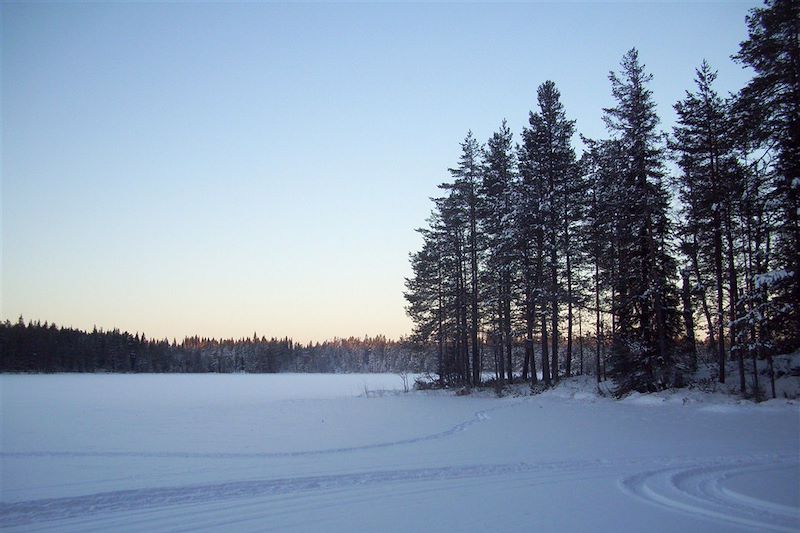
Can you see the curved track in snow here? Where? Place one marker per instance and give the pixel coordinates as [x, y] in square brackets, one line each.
[26, 512]
[34, 511]
[693, 487]
[477, 417]
[700, 490]
[252, 495]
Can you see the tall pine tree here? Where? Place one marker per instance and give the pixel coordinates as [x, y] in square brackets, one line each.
[645, 295]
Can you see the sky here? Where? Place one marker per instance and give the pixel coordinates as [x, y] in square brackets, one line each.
[222, 169]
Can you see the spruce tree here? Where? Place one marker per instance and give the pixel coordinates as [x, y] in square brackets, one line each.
[553, 181]
[646, 298]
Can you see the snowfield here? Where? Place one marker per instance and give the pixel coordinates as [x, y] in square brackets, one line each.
[354, 453]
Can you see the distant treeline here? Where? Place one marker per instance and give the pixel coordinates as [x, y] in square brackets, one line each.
[37, 347]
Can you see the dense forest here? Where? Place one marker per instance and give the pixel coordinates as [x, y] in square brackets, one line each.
[37, 347]
[654, 250]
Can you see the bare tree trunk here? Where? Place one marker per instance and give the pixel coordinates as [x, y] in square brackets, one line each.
[507, 334]
[545, 354]
[440, 318]
[604, 350]
[527, 360]
[554, 314]
[688, 317]
[568, 366]
[750, 289]
[501, 331]
[755, 369]
[733, 296]
[530, 318]
[542, 306]
[703, 300]
[771, 374]
[597, 316]
[473, 259]
[720, 297]
[495, 346]
[529, 347]
[465, 326]
[580, 339]
[661, 337]
[461, 359]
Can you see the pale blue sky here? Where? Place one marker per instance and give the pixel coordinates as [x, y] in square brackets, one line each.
[227, 168]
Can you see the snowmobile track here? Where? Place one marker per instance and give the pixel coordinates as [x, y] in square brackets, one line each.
[700, 490]
[692, 473]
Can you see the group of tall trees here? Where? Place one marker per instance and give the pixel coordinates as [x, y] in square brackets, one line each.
[37, 347]
[664, 266]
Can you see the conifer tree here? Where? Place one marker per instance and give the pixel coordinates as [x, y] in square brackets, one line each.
[425, 296]
[497, 187]
[532, 222]
[467, 179]
[602, 165]
[646, 298]
[710, 187]
[772, 99]
[551, 163]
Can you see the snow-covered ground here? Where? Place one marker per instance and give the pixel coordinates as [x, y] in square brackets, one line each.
[317, 453]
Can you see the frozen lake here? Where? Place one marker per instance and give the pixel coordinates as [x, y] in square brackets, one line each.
[293, 452]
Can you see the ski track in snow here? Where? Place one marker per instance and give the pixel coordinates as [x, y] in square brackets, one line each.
[683, 484]
[692, 487]
[699, 490]
[20, 513]
[479, 416]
